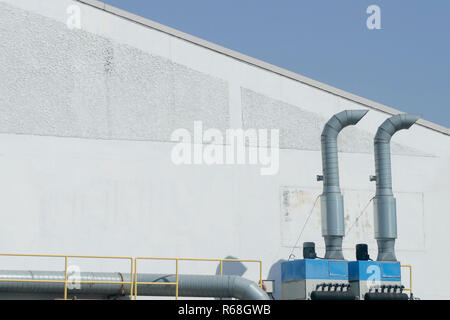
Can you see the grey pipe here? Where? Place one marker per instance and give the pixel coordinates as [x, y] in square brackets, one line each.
[188, 285]
[385, 216]
[332, 202]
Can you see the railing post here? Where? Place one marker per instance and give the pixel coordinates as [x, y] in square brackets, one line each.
[260, 274]
[131, 279]
[176, 288]
[135, 278]
[65, 278]
[221, 270]
[410, 279]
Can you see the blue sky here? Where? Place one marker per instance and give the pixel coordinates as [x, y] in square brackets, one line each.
[405, 64]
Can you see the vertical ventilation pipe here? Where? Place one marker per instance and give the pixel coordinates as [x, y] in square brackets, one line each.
[332, 202]
[385, 216]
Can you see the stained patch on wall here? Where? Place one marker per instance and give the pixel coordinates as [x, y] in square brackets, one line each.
[297, 204]
[71, 83]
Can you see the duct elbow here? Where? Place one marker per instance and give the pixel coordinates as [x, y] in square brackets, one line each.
[393, 124]
[329, 146]
[341, 120]
[353, 116]
[409, 119]
[244, 289]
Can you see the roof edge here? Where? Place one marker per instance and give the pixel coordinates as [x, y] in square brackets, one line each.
[258, 63]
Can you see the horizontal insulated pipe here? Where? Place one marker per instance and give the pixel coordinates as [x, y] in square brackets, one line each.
[332, 203]
[188, 285]
[385, 216]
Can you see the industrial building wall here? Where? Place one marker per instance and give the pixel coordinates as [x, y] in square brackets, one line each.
[86, 117]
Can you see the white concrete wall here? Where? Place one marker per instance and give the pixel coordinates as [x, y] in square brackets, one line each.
[85, 121]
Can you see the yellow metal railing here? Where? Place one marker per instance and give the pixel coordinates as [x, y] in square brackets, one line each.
[177, 262]
[66, 265]
[410, 277]
[133, 269]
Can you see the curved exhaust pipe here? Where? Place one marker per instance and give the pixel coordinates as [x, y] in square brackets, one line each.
[332, 202]
[212, 286]
[385, 216]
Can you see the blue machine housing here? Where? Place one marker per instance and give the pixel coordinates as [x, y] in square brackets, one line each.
[374, 271]
[314, 269]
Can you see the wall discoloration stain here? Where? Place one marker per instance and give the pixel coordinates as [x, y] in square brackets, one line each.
[301, 129]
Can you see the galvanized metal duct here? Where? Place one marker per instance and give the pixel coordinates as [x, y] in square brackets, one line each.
[188, 285]
[385, 216]
[332, 202]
